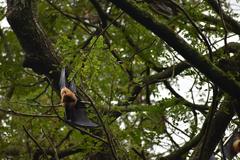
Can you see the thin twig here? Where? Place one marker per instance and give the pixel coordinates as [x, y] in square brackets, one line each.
[222, 150]
[196, 27]
[79, 129]
[12, 112]
[105, 29]
[52, 145]
[42, 80]
[224, 26]
[72, 17]
[171, 138]
[74, 126]
[176, 128]
[103, 125]
[42, 93]
[65, 138]
[141, 155]
[35, 141]
[34, 104]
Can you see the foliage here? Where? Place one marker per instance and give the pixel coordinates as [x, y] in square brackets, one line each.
[109, 63]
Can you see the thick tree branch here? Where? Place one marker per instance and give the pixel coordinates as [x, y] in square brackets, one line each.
[216, 130]
[40, 55]
[215, 21]
[183, 150]
[201, 108]
[101, 13]
[171, 71]
[211, 71]
[174, 70]
[230, 22]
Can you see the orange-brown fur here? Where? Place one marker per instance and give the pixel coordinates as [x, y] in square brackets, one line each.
[236, 145]
[68, 98]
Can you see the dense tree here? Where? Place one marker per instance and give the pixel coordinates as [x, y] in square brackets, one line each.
[159, 77]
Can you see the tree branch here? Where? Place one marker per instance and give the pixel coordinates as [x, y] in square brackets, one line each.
[15, 113]
[40, 55]
[211, 71]
[230, 22]
[216, 130]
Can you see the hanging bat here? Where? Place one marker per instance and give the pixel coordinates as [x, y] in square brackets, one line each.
[75, 110]
[232, 147]
[68, 97]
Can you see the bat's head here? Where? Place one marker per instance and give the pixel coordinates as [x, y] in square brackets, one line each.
[236, 145]
[68, 98]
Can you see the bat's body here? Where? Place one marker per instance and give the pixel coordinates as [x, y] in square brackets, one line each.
[236, 145]
[75, 111]
[232, 146]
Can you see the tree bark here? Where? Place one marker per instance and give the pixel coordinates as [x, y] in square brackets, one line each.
[40, 55]
[217, 128]
[42, 59]
[39, 52]
[215, 74]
